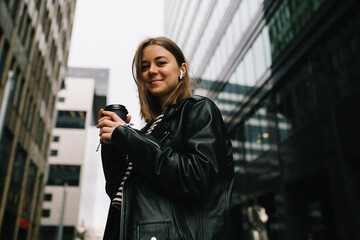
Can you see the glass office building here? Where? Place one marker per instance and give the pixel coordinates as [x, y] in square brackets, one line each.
[285, 74]
[34, 45]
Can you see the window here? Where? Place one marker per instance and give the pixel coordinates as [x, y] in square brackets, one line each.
[61, 99]
[49, 232]
[46, 24]
[1, 32]
[15, 8]
[47, 197]
[61, 174]
[37, 4]
[45, 213]
[30, 187]
[4, 52]
[6, 140]
[259, 133]
[18, 168]
[70, 119]
[53, 152]
[56, 138]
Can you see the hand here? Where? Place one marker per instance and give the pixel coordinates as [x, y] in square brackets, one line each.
[107, 122]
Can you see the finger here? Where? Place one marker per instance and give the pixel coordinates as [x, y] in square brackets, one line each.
[105, 135]
[104, 118]
[105, 138]
[101, 113]
[103, 123]
[105, 130]
[107, 123]
[128, 118]
[113, 115]
[107, 142]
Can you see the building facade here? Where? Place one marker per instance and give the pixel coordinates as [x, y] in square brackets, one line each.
[70, 195]
[285, 75]
[34, 44]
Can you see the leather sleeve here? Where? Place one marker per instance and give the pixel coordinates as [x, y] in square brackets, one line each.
[114, 164]
[191, 172]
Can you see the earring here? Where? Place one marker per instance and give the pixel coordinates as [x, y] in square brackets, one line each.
[181, 74]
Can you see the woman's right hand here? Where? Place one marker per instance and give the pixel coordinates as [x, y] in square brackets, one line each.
[107, 122]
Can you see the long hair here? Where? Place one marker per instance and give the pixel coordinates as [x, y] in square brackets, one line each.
[150, 106]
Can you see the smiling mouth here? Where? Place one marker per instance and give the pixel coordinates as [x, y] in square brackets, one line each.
[154, 81]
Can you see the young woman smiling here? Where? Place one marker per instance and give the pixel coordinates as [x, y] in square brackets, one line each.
[173, 178]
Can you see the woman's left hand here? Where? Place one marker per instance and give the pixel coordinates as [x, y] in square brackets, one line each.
[107, 122]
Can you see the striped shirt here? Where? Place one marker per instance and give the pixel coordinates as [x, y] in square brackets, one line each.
[117, 201]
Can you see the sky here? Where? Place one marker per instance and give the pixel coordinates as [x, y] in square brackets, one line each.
[106, 34]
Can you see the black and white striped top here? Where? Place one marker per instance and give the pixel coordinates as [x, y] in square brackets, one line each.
[117, 201]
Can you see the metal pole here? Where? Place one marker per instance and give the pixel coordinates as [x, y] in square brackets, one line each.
[61, 221]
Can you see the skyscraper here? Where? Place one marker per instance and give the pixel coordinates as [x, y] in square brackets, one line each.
[285, 75]
[34, 44]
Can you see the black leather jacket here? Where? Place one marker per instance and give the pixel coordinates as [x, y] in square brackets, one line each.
[182, 180]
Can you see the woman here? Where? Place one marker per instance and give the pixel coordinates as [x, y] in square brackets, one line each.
[173, 179]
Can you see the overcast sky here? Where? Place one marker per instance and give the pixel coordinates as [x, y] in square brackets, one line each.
[106, 34]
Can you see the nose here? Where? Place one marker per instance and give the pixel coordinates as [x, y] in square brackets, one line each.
[153, 69]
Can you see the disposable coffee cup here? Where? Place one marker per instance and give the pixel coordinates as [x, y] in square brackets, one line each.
[119, 109]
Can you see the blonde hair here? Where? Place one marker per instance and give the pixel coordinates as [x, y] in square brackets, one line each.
[150, 106]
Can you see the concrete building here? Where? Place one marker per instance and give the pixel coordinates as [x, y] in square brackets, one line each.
[73, 183]
[34, 44]
[285, 76]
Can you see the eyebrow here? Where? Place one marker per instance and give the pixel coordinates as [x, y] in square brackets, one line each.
[157, 58]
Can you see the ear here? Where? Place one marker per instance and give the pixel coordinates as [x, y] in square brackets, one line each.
[183, 68]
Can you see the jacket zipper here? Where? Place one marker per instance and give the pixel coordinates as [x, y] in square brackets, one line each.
[121, 232]
[150, 141]
[122, 214]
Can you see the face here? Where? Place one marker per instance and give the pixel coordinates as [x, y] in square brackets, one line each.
[159, 71]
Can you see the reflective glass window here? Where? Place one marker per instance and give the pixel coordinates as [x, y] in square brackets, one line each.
[244, 13]
[267, 49]
[253, 6]
[297, 101]
[3, 55]
[196, 24]
[6, 140]
[19, 167]
[30, 187]
[259, 132]
[240, 74]
[188, 21]
[249, 68]
[259, 55]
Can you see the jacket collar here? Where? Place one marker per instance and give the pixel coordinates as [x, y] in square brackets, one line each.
[171, 110]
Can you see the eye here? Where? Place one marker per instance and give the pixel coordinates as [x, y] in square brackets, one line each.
[144, 67]
[161, 63]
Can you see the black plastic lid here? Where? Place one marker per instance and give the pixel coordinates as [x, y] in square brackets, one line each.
[115, 107]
